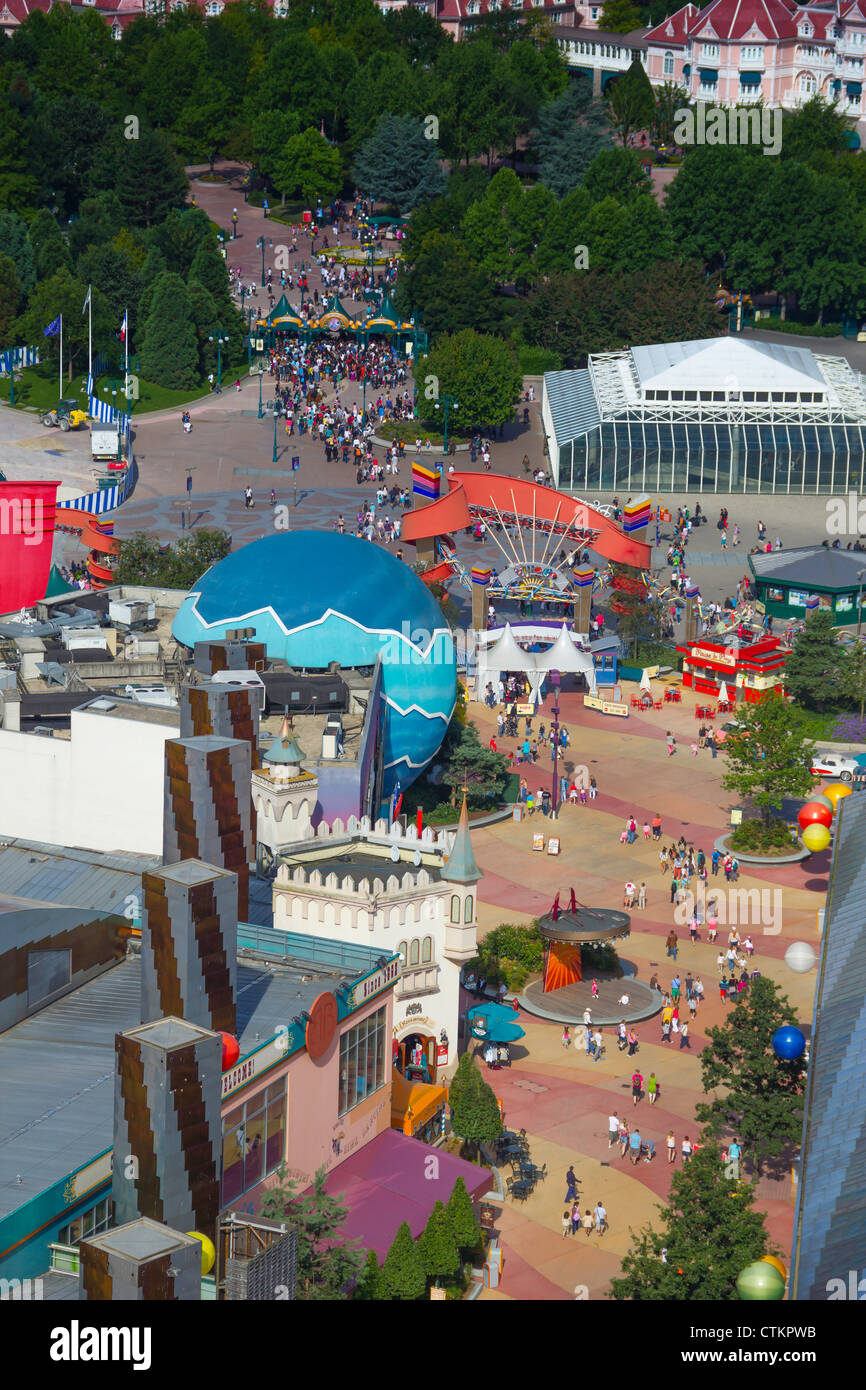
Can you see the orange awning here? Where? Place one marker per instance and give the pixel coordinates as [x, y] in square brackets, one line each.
[413, 1103]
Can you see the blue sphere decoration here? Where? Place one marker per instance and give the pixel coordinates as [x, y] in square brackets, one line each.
[314, 597]
[789, 1043]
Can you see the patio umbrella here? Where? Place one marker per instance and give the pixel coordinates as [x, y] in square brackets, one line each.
[645, 683]
[723, 693]
[504, 1033]
[491, 1013]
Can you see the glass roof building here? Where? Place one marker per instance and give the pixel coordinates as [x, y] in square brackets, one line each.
[712, 415]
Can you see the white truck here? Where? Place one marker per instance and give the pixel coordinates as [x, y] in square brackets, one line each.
[105, 444]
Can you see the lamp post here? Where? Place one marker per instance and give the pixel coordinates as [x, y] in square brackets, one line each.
[275, 434]
[446, 403]
[219, 337]
[261, 243]
[554, 681]
[261, 374]
[860, 574]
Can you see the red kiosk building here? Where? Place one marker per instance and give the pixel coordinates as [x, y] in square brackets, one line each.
[749, 669]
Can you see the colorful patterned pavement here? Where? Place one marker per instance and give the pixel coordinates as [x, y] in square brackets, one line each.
[562, 1098]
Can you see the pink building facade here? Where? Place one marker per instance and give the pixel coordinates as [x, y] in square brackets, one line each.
[736, 51]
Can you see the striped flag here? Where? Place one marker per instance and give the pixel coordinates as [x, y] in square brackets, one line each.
[86, 302]
[123, 327]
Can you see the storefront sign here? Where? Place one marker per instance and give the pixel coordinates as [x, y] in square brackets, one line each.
[525, 709]
[553, 847]
[441, 1054]
[487, 1216]
[374, 984]
[705, 654]
[240, 1074]
[538, 843]
[421, 1019]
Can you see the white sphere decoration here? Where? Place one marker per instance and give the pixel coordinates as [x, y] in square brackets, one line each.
[800, 957]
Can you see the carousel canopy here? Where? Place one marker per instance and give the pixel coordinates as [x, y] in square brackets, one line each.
[584, 926]
[507, 655]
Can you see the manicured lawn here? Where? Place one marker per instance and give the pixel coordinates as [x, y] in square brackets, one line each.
[39, 387]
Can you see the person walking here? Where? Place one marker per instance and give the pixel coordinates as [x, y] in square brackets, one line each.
[671, 943]
[600, 1218]
[652, 1088]
[571, 1184]
[686, 1150]
[634, 1144]
[612, 1129]
[657, 826]
[575, 1218]
[587, 1222]
[597, 1045]
[566, 1223]
[671, 742]
[636, 1087]
[641, 896]
[566, 1036]
[632, 1042]
[684, 1035]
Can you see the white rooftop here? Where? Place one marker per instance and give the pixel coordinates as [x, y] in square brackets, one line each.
[726, 364]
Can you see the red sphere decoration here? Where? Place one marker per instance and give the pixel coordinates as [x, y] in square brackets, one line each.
[231, 1051]
[813, 813]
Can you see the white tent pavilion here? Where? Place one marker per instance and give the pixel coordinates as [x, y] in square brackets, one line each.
[507, 654]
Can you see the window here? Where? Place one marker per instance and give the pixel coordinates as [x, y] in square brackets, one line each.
[362, 1060]
[116, 32]
[455, 907]
[752, 53]
[467, 909]
[89, 1223]
[214, 7]
[427, 949]
[594, 11]
[805, 30]
[669, 65]
[413, 952]
[254, 1136]
[710, 50]
[807, 83]
[403, 950]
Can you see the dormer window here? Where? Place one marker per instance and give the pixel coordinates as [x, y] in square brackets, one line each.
[805, 30]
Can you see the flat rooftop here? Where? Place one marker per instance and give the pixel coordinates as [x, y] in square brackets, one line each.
[308, 730]
[362, 862]
[117, 707]
[35, 874]
[57, 1068]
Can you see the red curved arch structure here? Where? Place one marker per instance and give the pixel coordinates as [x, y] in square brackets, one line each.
[93, 531]
[493, 496]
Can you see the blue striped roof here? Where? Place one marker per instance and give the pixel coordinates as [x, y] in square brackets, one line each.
[572, 404]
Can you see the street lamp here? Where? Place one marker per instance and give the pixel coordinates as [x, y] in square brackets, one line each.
[860, 574]
[261, 374]
[446, 402]
[275, 432]
[554, 681]
[220, 338]
[261, 243]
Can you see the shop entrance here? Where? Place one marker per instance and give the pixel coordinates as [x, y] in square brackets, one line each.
[416, 1057]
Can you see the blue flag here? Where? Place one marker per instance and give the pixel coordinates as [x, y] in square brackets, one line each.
[53, 329]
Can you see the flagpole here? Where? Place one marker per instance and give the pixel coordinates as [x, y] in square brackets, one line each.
[61, 357]
[126, 364]
[89, 334]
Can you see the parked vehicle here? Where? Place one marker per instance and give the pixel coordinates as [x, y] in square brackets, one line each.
[833, 765]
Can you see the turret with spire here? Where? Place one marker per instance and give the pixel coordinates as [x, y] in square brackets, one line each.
[461, 870]
[284, 795]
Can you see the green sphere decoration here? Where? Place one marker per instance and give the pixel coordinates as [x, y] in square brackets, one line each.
[760, 1282]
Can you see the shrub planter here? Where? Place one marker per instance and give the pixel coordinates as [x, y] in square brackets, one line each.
[744, 857]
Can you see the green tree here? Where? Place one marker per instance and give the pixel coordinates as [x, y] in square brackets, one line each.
[386, 83]
[169, 351]
[640, 618]
[65, 140]
[116, 277]
[461, 1217]
[145, 173]
[446, 288]
[618, 174]
[369, 1287]
[49, 249]
[15, 243]
[854, 674]
[631, 102]
[403, 1274]
[144, 561]
[816, 127]
[814, 670]
[460, 1079]
[309, 166]
[61, 294]
[769, 755]
[205, 122]
[438, 1247]
[328, 1264]
[571, 131]
[709, 1230]
[479, 371]
[466, 760]
[10, 298]
[475, 1113]
[398, 164]
[272, 131]
[619, 17]
[669, 98]
[209, 269]
[20, 190]
[761, 1095]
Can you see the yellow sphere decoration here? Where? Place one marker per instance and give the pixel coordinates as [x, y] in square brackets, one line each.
[834, 791]
[816, 838]
[208, 1253]
[776, 1263]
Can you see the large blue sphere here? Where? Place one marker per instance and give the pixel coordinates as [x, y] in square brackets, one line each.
[789, 1043]
[314, 597]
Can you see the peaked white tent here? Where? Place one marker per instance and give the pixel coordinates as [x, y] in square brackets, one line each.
[507, 655]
